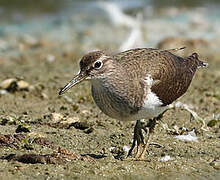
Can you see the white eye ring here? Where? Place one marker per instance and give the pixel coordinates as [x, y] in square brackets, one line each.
[98, 64]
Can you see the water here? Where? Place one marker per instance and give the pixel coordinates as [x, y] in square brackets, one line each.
[107, 23]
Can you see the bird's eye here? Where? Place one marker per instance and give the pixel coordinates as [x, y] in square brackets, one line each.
[97, 64]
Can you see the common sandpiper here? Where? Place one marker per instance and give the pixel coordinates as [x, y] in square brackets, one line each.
[137, 84]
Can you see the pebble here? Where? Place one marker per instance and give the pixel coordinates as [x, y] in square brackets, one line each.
[2, 92]
[22, 85]
[70, 120]
[56, 117]
[166, 158]
[216, 164]
[7, 83]
[126, 149]
[13, 84]
[59, 118]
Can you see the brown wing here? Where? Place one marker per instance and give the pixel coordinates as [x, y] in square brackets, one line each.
[172, 74]
[175, 76]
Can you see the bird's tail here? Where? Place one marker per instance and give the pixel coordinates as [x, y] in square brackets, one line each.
[199, 63]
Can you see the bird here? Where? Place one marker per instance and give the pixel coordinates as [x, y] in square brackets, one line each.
[137, 85]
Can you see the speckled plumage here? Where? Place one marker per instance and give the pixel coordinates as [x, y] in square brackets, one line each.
[119, 87]
[136, 84]
[123, 91]
[172, 74]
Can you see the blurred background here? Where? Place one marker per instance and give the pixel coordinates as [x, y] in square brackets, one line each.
[112, 24]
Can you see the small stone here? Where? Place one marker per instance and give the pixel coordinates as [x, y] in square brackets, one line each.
[126, 149]
[59, 118]
[111, 148]
[36, 135]
[13, 85]
[20, 168]
[81, 125]
[69, 120]
[22, 85]
[86, 113]
[89, 130]
[21, 128]
[42, 141]
[6, 84]
[165, 158]
[215, 164]
[3, 92]
[31, 88]
[56, 117]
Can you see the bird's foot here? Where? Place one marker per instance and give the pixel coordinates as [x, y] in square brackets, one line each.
[139, 141]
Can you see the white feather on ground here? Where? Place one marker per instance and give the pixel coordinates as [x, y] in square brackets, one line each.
[191, 136]
[165, 158]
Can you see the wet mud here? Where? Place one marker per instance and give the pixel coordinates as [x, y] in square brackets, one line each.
[46, 136]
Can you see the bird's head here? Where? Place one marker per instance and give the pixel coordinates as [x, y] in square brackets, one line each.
[92, 66]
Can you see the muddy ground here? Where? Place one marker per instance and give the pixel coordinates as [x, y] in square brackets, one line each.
[86, 144]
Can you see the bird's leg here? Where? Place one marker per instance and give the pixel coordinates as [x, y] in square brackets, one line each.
[138, 137]
[148, 130]
[146, 144]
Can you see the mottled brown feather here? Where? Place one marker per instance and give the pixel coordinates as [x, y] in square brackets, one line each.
[120, 88]
[172, 74]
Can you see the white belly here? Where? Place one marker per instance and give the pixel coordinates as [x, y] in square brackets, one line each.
[118, 109]
[151, 108]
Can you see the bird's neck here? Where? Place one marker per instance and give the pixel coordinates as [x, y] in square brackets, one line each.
[115, 78]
